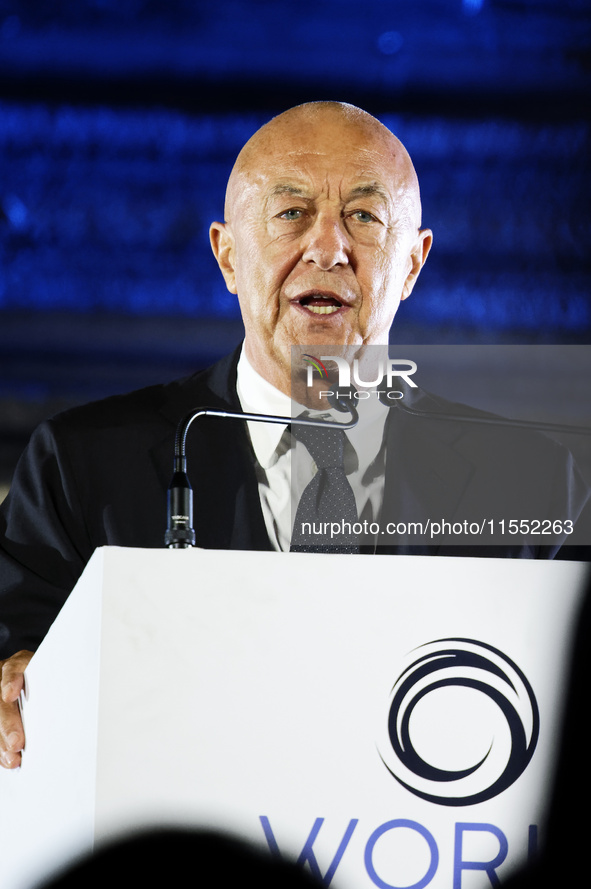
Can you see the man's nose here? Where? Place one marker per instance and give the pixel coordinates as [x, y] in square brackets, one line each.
[326, 242]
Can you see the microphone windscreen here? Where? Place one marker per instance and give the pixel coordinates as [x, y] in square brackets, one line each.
[342, 398]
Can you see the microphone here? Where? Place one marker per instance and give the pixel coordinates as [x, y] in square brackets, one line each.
[395, 398]
[180, 533]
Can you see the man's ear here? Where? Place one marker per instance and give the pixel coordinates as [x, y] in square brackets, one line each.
[222, 244]
[417, 259]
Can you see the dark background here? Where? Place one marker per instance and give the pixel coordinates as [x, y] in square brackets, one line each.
[119, 123]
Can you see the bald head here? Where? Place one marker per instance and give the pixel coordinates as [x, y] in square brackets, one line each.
[303, 127]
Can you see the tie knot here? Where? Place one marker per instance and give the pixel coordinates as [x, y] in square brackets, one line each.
[325, 445]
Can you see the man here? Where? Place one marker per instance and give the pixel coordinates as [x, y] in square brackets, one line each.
[321, 242]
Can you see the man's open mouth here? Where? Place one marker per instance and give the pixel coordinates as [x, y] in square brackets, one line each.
[320, 305]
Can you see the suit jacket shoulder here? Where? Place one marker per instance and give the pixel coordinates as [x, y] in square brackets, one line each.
[97, 475]
[454, 464]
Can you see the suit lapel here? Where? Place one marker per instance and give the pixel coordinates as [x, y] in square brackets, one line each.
[426, 477]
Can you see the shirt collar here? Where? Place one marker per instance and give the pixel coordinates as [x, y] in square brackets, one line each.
[258, 396]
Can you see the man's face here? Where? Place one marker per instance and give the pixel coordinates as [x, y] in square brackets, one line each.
[320, 243]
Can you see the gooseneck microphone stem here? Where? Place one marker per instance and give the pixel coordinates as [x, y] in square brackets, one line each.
[180, 533]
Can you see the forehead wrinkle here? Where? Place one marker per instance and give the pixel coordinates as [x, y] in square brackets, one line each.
[306, 191]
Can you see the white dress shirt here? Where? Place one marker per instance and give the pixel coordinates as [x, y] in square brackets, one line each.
[284, 467]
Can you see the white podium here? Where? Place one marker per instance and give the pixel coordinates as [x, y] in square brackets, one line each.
[390, 720]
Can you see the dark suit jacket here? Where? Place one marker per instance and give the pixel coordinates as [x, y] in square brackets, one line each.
[98, 475]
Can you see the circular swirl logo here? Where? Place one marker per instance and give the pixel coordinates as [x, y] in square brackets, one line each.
[463, 723]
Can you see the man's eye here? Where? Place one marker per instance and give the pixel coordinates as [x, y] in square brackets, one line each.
[291, 214]
[363, 216]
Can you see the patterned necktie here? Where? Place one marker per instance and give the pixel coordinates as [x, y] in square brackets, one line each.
[327, 512]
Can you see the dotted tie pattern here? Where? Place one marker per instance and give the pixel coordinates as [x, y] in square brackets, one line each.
[327, 500]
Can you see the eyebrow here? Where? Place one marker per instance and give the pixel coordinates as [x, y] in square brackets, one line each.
[360, 191]
[365, 191]
[371, 190]
[287, 189]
